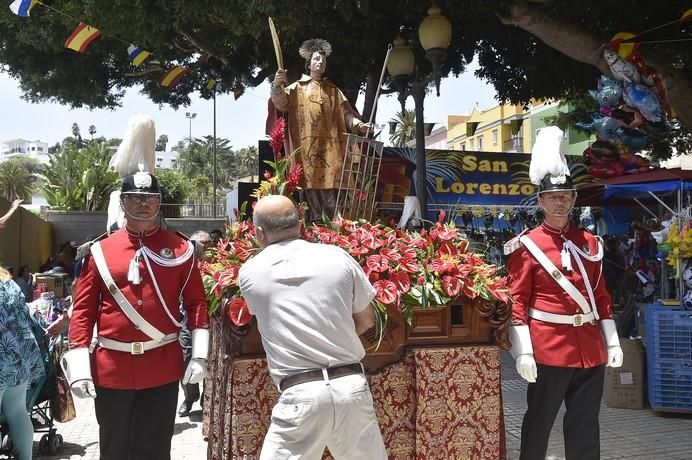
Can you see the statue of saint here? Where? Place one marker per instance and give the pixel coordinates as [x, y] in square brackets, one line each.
[318, 116]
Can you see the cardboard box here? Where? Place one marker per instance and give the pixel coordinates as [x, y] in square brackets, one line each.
[53, 283]
[624, 386]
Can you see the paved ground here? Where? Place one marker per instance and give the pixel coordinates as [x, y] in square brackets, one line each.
[625, 434]
[81, 435]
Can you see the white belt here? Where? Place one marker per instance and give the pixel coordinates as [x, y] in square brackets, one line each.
[574, 320]
[136, 348]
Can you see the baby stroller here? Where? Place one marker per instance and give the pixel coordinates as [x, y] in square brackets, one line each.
[38, 397]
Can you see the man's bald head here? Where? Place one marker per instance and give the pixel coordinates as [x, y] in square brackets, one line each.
[275, 218]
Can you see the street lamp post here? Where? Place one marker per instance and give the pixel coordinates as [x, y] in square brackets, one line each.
[213, 170]
[434, 33]
[190, 116]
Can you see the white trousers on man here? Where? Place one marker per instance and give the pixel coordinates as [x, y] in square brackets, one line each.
[338, 414]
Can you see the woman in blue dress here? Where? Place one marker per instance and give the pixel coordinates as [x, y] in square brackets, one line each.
[20, 363]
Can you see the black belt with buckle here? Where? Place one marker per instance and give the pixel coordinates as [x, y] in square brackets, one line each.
[313, 376]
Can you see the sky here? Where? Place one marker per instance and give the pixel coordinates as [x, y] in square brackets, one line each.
[241, 121]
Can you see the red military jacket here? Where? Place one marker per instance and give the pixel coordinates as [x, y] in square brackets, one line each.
[531, 286]
[94, 304]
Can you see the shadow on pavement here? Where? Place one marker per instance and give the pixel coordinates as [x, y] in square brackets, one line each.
[180, 427]
[68, 450]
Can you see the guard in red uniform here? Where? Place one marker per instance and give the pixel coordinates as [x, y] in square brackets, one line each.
[127, 305]
[563, 332]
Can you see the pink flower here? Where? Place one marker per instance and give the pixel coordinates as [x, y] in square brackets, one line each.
[276, 139]
[377, 263]
[238, 312]
[295, 173]
[267, 175]
[387, 292]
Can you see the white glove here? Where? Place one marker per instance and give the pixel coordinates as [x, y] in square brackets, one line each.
[522, 352]
[197, 368]
[610, 334]
[195, 371]
[84, 389]
[76, 364]
[526, 367]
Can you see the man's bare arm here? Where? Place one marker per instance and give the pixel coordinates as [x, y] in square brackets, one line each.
[8, 214]
[364, 320]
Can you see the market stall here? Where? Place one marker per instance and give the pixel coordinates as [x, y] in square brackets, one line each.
[665, 324]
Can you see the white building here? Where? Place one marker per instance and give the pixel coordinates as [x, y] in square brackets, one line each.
[22, 148]
[436, 140]
[167, 160]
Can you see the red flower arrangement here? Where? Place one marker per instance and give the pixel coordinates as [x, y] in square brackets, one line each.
[407, 269]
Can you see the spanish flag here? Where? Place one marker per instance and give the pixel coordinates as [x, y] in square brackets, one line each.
[172, 76]
[82, 37]
[137, 55]
[23, 7]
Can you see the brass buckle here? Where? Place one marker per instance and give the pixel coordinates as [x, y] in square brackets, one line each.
[137, 348]
[578, 320]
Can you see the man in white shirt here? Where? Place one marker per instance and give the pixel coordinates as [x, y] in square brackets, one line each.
[311, 302]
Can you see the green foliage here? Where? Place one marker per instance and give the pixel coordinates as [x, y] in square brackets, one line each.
[63, 179]
[16, 181]
[79, 178]
[229, 40]
[405, 128]
[201, 185]
[161, 143]
[98, 179]
[175, 188]
[197, 160]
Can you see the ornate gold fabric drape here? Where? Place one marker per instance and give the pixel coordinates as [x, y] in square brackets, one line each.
[435, 403]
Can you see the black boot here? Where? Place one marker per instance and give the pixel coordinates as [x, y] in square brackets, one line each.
[184, 409]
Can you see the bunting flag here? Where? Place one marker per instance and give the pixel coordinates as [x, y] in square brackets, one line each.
[686, 16]
[172, 76]
[237, 93]
[427, 128]
[213, 85]
[137, 55]
[23, 7]
[82, 37]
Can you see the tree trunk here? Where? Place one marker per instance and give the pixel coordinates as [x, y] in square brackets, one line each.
[370, 91]
[586, 47]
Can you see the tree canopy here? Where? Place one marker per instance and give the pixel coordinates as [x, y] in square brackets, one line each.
[526, 49]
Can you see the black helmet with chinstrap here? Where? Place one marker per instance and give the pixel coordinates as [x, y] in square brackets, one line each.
[140, 182]
[561, 183]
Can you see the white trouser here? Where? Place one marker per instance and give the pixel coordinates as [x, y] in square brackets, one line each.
[338, 414]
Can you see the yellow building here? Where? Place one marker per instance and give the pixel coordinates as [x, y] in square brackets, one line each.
[499, 129]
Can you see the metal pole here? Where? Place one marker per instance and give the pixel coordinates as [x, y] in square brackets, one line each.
[213, 171]
[421, 173]
[189, 136]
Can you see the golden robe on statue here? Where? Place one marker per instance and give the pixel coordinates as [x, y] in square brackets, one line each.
[318, 116]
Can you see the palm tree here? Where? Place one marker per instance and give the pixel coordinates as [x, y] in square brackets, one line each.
[405, 128]
[98, 178]
[15, 181]
[197, 159]
[62, 179]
